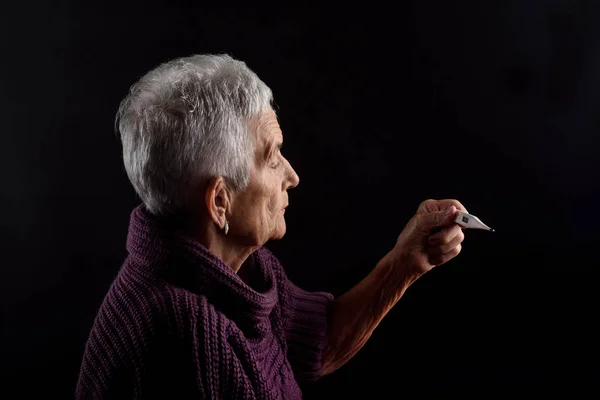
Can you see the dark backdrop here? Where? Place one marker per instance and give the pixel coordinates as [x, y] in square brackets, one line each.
[493, 103]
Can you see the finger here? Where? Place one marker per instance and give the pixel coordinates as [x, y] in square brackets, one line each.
[444, 258]
[445, 203]
[433, 220]
[446, 247]
[444, 235]
[450, 217]
[432, 205]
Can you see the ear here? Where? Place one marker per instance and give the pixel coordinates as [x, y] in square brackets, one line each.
[217, 199]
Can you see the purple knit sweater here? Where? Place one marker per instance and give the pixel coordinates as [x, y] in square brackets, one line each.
[177, 323]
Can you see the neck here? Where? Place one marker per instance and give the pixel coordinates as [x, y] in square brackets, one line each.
[226, 247]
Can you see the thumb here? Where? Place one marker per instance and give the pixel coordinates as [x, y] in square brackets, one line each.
[439, 218]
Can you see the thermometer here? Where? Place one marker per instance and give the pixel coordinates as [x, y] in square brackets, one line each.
[470, 221]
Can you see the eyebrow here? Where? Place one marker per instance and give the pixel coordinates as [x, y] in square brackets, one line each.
[274, 145]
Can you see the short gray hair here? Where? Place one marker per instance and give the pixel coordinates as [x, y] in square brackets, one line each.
[187, 121]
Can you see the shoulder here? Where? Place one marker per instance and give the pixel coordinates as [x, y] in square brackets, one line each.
[149, 304]
[149, 329]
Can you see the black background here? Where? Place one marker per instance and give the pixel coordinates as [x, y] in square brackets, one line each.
[493, 103]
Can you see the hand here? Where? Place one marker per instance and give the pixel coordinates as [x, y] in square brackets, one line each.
[431, 237]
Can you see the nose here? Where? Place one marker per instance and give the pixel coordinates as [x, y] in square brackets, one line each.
[293, 178]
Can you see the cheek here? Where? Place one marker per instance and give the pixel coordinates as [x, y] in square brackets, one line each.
[265, 212]
[274, 210]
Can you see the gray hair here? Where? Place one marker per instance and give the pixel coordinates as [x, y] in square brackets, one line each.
[187, 121]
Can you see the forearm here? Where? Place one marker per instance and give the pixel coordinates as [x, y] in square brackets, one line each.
[356, 313]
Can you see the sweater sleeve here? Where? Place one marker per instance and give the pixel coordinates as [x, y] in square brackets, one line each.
[306, 328]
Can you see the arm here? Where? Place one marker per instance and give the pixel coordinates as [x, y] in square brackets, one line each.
[356, 314]
[429, 239]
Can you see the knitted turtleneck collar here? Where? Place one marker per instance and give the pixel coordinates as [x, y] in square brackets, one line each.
[158, 247]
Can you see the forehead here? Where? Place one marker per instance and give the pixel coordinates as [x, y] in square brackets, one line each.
[267, 129]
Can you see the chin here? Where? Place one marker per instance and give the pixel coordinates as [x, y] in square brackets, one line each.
[279, 232]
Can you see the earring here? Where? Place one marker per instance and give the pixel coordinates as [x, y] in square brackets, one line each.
[226, 227]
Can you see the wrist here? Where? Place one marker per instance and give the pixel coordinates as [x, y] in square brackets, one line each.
[400, 269]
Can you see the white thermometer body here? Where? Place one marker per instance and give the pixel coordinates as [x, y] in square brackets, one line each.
[470, 221]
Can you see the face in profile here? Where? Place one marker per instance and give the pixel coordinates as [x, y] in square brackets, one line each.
[259, 210]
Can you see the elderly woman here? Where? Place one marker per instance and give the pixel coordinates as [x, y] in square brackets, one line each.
[200, 309]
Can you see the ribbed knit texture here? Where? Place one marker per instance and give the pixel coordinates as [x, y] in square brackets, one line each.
[177, 323]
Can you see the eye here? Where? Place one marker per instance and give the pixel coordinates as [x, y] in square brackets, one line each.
[276, 161]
